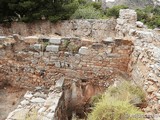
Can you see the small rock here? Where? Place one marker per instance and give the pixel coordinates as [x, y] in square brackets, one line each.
[52, 108]
[60, 82]
[38, 88]
[42, 109]
[83, 50]
[50, 115]
[139, 24]
[48, 102]
[151, 89]
[24, 102]
[3, 37]
[57, 64]
[28, 95]
[147, 109]
[1, 46]
[38, 100]
[41, 95]
[37, 47]
[19, 106]
[108, 40]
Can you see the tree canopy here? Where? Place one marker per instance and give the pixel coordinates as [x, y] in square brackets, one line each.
[29, 10]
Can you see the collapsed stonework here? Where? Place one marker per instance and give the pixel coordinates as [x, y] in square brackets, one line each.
[88, 66]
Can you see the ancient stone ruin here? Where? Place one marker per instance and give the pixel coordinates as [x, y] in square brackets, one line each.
[59, 67]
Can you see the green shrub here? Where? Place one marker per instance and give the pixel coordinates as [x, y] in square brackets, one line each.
[114, 11]
[128, 91]
[73, 48]
[109, 108]
[64, 45]
[88, 12]
[149, 16]
[118, 103]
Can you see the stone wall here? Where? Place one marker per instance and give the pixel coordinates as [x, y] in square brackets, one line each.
[33, 61]
[144, 66]
[42, 104]
[95, 29]
[39, 60]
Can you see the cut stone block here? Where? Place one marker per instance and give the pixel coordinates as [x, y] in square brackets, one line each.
[55, 40]
[52, 48]
[37, 46]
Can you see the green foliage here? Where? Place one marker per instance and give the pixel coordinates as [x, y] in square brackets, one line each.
[114, 11]
[73, 48]
[64, 45]
[118, 103]
[150, 16]
[109, 108]
[127, 91]
[53, 10]
[30, 10]
[88, 12]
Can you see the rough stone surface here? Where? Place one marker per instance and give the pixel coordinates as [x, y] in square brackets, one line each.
[139, 24]
[135, 52]
[84, 50]
[38, 108]
[38, 47]
[52, 48]
[37, 100]
[96, 29]
[55, 40]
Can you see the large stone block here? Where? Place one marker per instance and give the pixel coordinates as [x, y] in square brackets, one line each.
[52, 48]
[55, 40]
[128, 14]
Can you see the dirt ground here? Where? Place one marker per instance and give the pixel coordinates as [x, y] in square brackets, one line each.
[10, 97]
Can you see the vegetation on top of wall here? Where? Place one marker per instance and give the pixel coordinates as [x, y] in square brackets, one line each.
[31, 10]
[118, 103]
[114, 11]
[54, 10]
[149, 16]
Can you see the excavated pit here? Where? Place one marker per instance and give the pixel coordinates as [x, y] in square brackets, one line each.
[88, 68]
